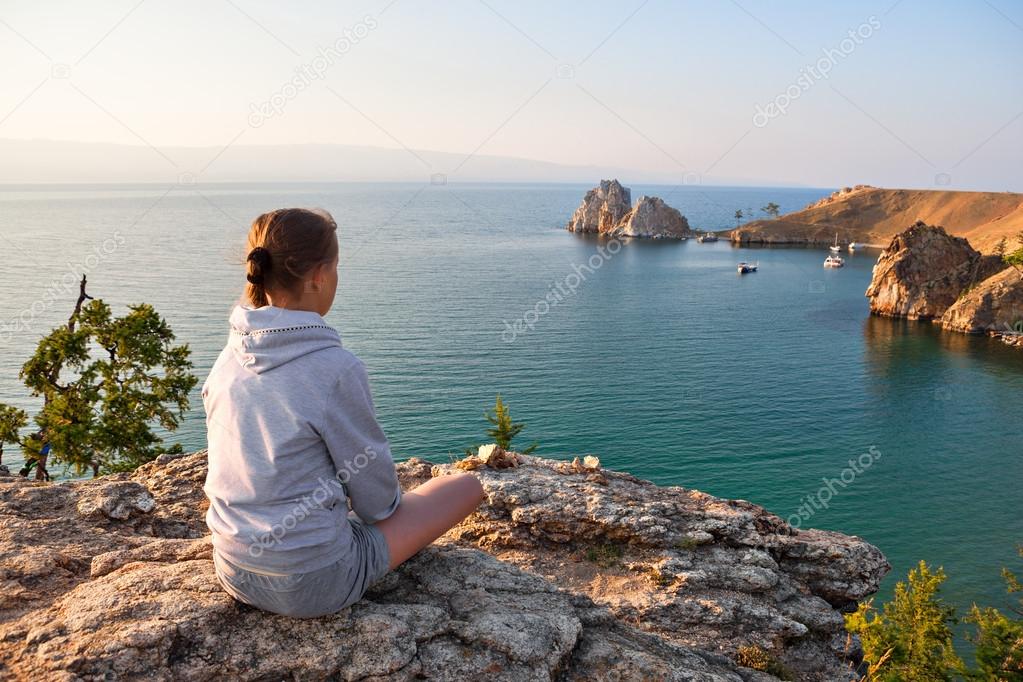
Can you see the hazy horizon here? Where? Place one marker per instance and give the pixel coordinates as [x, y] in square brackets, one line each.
[893, 94]
[68, 162]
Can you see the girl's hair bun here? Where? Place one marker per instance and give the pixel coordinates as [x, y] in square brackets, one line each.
[260, 263]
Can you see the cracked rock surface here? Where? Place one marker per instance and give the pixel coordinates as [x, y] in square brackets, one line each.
[563, 574]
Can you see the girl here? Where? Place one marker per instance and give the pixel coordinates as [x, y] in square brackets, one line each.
[293, 441]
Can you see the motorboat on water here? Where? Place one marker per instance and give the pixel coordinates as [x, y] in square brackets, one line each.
[854, 246]
[745, 267]
[707, 238]
[834, 262]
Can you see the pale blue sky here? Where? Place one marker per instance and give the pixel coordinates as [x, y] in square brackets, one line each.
[932, 96]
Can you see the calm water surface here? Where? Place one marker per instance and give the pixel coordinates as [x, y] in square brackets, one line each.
[660, 358]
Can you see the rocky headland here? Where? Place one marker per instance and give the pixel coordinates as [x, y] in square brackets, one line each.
[927, 274]
[873, 215]
[606, 210]
[567, 572]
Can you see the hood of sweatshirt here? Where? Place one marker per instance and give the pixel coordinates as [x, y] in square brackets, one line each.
[268, 337]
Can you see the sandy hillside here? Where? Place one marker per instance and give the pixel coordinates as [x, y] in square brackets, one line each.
[872, 215]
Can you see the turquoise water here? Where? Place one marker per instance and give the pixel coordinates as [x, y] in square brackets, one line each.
[663, 361]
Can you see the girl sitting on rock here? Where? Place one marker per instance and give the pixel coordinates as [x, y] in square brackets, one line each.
[294, 441]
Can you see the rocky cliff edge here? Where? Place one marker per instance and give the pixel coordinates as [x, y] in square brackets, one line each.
[567, 572]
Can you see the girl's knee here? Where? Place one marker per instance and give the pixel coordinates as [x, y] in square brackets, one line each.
[472, 486]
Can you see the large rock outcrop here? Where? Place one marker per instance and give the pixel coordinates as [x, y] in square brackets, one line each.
[993, 306]
[585, 574]
[605, 210]
[923, 271]
[652, 218]
[602, 209]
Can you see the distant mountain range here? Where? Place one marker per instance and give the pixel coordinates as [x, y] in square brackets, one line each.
[60, 161]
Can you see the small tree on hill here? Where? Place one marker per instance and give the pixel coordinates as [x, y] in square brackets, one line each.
[1000, 248]
[771, 209]
[105, 382]
[1015, 259]
[738, 217]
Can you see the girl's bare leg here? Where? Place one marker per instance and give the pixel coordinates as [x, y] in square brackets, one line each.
[427, 512]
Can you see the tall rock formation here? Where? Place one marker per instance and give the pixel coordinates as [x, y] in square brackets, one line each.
[652, 218]
[605, 210]
[603, 207]
[923, 271]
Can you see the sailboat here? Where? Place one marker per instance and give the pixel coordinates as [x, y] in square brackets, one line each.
[835, 248]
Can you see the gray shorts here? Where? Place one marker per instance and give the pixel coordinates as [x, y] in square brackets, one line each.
[317, 593]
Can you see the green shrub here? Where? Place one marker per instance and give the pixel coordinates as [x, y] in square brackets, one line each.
[605, 555]
[758, 658]
[910, 639]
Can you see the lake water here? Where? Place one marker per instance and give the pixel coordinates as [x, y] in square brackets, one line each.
[658, 357]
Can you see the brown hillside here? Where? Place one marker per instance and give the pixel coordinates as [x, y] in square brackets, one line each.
[873, 216]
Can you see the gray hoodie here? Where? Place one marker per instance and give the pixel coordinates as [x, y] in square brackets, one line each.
[293, 439]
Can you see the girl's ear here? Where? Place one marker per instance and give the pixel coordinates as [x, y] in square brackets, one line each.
[317, 277]
[315, 281]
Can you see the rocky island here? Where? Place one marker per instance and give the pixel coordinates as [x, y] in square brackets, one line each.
[568, 571]
[606, 210]
[872, 215]
[927, 274]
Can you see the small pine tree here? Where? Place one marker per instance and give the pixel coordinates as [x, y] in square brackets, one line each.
[738, 217]
[911, 639]
[503, 429]
[771, 209]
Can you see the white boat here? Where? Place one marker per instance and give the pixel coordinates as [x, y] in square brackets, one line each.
[834, 262]
[835, 248]
[707, 238]
[853, 246]
[745, 267]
